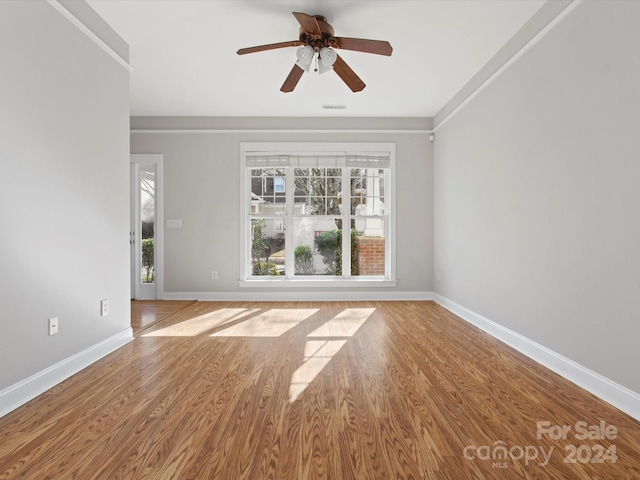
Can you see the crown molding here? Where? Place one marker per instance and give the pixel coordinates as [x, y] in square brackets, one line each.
[83, 25]
[538, 26]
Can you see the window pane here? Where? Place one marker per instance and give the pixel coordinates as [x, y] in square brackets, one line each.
[368, 243]
[268, 191]
[267, 246]
[279, 184]
[318, 246]
[147, 227]
[367, 191]
[318, 190]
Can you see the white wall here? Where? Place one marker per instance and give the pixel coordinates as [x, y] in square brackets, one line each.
[64, 155]
[537, 194]
[202, 187]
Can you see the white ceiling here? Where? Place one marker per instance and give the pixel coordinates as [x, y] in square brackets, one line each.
[183, 54]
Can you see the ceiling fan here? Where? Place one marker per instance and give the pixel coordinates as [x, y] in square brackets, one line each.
[317, 41]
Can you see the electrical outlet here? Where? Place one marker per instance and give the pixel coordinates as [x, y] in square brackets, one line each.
[53, 326]
[214, 275]
[104, 307]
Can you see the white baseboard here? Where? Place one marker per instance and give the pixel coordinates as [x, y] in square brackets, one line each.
[611, 392]
[20, 393]
[292, 296]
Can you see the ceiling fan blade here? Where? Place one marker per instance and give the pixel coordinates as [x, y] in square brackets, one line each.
[348, 76]
[271, 46]
[308, 23]
[379, 47]
[292, 79]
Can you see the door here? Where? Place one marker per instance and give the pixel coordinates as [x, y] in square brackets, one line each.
[146, 227]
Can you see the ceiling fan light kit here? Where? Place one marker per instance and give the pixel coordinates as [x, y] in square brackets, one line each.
[305, 57]
[317, 41]
[328, 57]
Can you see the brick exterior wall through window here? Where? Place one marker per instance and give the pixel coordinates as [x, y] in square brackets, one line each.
[370, 255]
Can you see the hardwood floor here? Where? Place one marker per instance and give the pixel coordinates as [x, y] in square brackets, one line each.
[326, 390]
[145, 313]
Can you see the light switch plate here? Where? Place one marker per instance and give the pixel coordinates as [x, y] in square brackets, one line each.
[53, 326]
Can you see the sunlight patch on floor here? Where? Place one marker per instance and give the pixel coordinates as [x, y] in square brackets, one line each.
[271, 323]
[318, 353]
[202, 323]
[345, 324]
[148, 317]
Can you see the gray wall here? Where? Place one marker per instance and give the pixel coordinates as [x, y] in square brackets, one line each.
[64, 194]
[537, 194]
[202, 187]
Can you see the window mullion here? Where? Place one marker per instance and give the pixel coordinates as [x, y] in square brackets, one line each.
[387, 223]
[288, 223]
[346, 222]
[247, 223]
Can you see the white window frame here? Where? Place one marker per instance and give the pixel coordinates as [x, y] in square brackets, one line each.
[309, 148]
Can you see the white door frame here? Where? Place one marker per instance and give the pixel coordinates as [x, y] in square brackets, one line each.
[140, 291]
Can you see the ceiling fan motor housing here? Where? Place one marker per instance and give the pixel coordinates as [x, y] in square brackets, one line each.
[327, 39]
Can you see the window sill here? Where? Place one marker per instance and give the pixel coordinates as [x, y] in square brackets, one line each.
[274, 282]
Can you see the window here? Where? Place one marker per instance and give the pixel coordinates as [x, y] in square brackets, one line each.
[318, 213]
[278, 185]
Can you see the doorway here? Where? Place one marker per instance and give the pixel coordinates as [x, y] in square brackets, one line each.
[146, 227]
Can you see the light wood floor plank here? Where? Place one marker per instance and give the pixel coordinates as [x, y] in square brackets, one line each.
[308, 390]
[145, 313]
